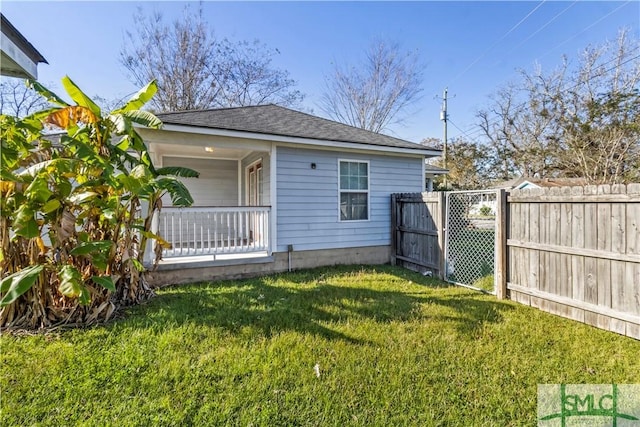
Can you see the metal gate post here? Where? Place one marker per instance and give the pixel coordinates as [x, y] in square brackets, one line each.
[446, 236]
[441, 227]
[501, 245]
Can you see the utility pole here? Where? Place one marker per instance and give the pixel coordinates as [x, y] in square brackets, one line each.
[444, 117]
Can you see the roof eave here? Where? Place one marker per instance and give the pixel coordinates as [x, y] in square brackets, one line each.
[19, 57]
[429, 152]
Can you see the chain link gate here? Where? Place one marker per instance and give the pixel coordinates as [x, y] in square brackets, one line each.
[470, 239]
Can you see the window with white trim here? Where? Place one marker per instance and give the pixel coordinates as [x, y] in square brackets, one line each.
[254, 184]
[354, 190]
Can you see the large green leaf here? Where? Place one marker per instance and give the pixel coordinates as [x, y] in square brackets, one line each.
[79, 96]
[124, 144]
[84, 197]
[137, 264]
[88, 248]
[38, 190]
[51, 206]
[131, 184]
[71, 284]
[105, 282]
[140, 172]
[143, 96]
[24, 222]
[120, 123]
[46, 93]
[18, 283]
[180, 195]
[57, 166]
[143, 118]
[178, 171]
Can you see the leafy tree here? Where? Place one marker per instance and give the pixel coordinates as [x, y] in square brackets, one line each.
[196, 71]
[576, 121]
[77, 209]
[376, 92]
[468, 164]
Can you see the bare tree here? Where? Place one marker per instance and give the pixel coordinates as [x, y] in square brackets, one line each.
[579, 120]
[245, 77]
[194, 70]
[375, 93]
[17, 100]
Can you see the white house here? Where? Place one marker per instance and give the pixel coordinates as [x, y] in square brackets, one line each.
[528, 183]
[18, 57]
[278, 189]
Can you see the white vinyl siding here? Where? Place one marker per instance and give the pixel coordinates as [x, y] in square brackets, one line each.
[308, 199]
[217, 184]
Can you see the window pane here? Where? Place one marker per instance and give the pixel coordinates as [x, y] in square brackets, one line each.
[344, 182]
[353, 183]
[344, 168]
[353, 206]
[363, 183]
[354, 170]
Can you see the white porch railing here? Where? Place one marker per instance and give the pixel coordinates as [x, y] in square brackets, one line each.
[214, 231]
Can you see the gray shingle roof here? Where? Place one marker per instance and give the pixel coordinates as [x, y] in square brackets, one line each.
[275, 120]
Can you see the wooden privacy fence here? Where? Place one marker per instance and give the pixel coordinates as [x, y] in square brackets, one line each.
[575, 252]
[572, 251]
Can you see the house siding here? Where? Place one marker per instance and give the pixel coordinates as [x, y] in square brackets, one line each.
[217, 184]
[307, 198]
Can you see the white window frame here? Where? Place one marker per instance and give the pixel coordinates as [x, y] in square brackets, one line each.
[367, 191]
[259, 183]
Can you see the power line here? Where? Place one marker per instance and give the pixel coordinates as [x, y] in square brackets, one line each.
[542, 28]
[496, 43]
[464, 133]
[587, 28]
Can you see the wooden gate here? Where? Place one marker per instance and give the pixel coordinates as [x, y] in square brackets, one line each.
[417, 222]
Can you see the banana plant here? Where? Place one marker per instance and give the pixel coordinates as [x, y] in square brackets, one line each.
[73, 183]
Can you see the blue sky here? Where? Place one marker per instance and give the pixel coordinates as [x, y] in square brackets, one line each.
[470, 47]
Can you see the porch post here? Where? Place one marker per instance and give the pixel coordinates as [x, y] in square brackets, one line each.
[273, 181]
[147, 258]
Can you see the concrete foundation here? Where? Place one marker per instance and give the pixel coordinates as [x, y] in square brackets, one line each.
[207, 270]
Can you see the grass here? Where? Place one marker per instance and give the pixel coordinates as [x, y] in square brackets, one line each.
[485, 283]
[393, 348]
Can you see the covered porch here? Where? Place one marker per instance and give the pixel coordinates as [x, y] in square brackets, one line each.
[231, 217]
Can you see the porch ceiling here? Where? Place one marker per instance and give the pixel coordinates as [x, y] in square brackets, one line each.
[200, 152]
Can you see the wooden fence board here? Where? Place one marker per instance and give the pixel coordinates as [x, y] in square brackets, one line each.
[574, 252]
[578, 279]
[415, 231]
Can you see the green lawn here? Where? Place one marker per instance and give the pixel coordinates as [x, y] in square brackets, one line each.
[393, 348]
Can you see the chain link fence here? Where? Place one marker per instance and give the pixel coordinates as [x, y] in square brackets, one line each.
[470, 239]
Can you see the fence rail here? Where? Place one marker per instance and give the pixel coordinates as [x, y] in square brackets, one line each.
[573, 251]
[213, 231]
